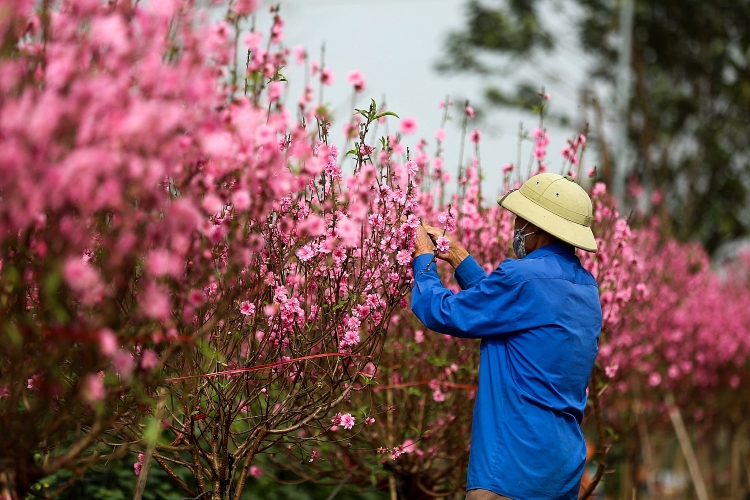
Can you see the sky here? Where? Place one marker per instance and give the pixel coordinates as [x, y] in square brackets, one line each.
[396, 44]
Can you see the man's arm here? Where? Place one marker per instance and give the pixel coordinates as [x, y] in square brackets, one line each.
[482, 309]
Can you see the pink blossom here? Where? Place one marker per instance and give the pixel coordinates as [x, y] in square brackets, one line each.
[656, 197]
[265, 135]
[299, 54]
[438, 396]
[253, 40]
[469, 111]
[93, 388]
[547, 97]
[155, 303]
[107, 342]
[245, 7]
[369, 421]
[409, 446]
[275, 90]
[80, 276]
[212, 204]
[161, 262]
[476, 136]
[305, 253]
[418, 336]
[247, 308]
[326, 76]
[256, 471]
[408, 125]
[196, 298]
[654, 379]
[241, 199]
[440, 134]
[611, 370]
[349, 231]
[442, 244]
[357, 80]
[411, 167]
[123, 363]
[336, 419]
[403, 257]
[508, 167]
[312, 226]
[347, 421]
[351, 338]
[33, 381]
[149, 359]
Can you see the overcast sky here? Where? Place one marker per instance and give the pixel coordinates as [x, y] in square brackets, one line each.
[396, 44]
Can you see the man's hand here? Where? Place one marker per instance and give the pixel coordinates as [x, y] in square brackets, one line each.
[456, 252]
[423, 244]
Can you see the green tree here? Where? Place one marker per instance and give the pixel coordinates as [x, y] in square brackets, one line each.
[689, 114]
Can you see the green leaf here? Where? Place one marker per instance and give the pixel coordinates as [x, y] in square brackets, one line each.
[385, 113]
[437, 361]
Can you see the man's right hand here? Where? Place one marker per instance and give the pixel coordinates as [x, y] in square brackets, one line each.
[456, 252]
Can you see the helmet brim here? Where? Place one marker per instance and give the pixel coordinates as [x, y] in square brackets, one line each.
[568, 231]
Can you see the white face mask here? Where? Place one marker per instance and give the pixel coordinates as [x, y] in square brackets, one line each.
[519, 241]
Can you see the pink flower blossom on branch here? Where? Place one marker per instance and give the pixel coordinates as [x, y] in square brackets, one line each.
[408, 125]
[442, 244]
[347, 421]
[247, 308]
[357, 80]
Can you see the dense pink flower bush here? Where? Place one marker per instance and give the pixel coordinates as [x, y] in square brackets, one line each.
[157, 220]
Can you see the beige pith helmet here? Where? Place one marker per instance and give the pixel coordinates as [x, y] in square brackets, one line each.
[557, 205]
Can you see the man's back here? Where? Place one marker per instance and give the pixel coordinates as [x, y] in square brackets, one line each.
[539, 319]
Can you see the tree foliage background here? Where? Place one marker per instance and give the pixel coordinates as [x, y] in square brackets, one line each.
[689, 111]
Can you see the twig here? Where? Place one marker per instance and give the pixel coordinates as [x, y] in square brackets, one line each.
[603, 444]
[140, 486]
[687, 447]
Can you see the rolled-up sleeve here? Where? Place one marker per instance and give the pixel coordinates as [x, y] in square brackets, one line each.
[484, 307]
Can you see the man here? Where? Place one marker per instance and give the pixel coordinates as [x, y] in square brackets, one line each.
[538, 318]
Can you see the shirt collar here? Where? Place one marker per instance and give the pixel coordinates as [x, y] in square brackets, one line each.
[558, 247]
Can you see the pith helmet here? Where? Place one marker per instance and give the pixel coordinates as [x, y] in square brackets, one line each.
[557, 205]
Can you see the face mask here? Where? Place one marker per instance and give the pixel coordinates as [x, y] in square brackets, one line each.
[519, 241]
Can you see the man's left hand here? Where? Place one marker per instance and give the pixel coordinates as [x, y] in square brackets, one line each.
[423, 244]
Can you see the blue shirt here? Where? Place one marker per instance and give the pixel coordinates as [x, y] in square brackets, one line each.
[539, 320]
